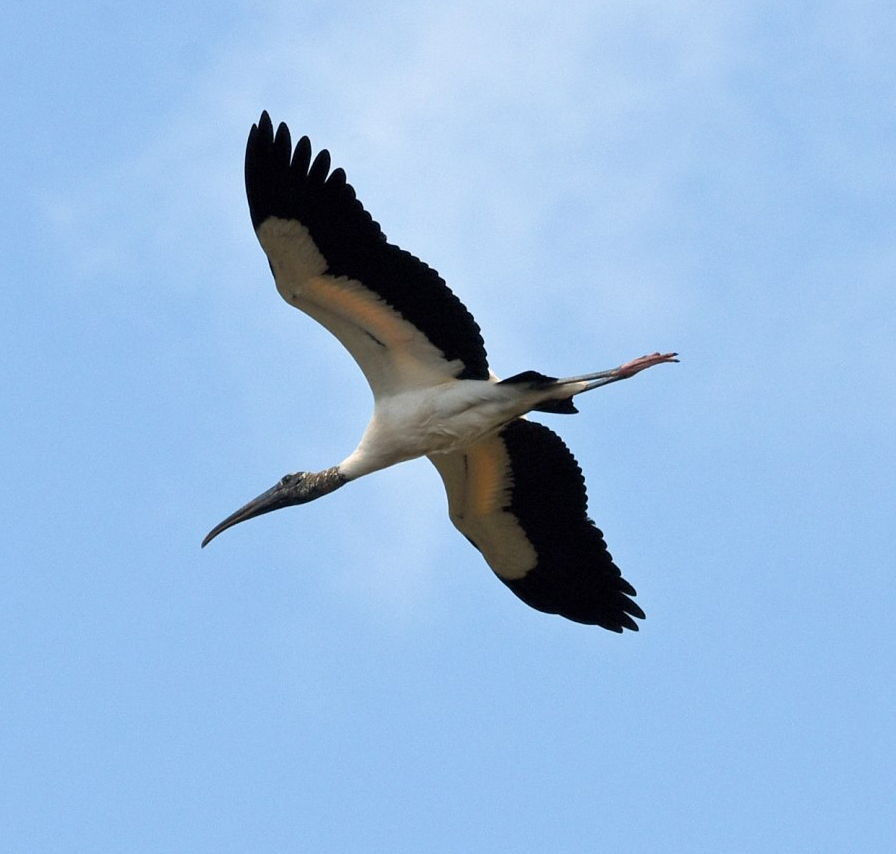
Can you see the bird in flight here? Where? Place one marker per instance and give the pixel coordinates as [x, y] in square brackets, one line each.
[514, 489]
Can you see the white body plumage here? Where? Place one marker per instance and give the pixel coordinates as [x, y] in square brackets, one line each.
[439, 419]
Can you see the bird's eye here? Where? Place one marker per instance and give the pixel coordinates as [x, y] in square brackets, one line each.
[286, 479]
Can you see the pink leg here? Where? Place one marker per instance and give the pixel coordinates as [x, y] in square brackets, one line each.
[623, 372]
[629, 369]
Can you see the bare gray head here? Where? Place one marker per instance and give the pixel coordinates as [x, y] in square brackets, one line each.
[297, 488]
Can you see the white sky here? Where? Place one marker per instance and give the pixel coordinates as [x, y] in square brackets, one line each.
[595, 181]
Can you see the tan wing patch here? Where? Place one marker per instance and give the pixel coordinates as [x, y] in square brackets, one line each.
[393, 354]
[478, 481]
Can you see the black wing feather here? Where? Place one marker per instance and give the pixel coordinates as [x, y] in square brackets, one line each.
[575, 576]
[289, 185]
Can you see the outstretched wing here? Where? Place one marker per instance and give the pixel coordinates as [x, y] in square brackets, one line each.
[519, 497]
[394, 314]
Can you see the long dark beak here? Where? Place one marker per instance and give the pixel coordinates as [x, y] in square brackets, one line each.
[275, 498]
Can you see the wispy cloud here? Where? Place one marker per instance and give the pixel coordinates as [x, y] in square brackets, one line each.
[592, 180]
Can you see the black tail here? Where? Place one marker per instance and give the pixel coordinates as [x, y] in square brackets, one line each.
[557, 407]
[534, 379]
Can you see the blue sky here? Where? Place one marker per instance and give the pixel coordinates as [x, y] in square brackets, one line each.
[595, 181]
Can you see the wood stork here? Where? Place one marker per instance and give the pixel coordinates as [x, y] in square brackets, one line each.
[514, 489]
